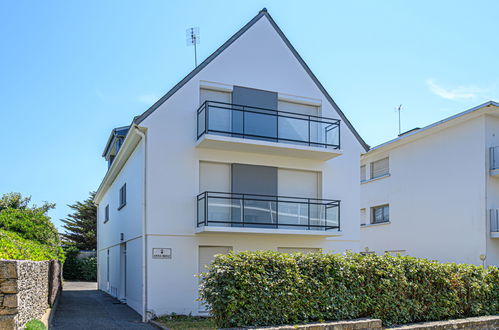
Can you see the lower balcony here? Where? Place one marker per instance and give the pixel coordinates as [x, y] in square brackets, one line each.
[261, 214]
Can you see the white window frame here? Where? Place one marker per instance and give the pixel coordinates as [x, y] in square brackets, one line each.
[122, 197]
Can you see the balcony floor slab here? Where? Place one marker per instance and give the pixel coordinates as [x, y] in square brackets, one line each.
[218, 142]
[266, 231]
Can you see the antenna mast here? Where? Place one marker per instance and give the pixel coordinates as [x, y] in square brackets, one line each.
[192, 39]
[399, 108]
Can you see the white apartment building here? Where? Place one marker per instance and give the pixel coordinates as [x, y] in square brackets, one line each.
[247, 152]
[433, 192]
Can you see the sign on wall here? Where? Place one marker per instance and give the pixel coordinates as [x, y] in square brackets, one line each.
[161, 253]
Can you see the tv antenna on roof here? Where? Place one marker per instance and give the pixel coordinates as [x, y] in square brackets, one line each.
[399, 109]
[192, 39]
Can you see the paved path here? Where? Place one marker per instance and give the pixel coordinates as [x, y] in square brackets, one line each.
[82, 306]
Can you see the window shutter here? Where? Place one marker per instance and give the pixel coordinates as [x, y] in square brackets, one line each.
[379, 168]
[363, 176]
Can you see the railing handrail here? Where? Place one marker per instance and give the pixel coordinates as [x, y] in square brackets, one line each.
[276, 197]
[278, 112]
[325, 205]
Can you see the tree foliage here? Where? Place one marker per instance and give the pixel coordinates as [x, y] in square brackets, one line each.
[29, 221]
[81, 225]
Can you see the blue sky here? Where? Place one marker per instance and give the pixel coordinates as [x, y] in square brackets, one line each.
[71, 71]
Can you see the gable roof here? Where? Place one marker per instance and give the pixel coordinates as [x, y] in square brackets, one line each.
[138, 119]
[118, 131]
[417, 131]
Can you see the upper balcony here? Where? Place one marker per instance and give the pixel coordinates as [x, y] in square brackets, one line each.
[244, 128]
[494, 161]
[264, 214]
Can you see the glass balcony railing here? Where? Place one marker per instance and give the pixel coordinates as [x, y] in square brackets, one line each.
[262, 211]
[268, 125]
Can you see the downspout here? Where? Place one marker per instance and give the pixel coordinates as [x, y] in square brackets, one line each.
[144, 228]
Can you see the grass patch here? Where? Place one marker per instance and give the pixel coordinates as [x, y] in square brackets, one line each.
[174, 321]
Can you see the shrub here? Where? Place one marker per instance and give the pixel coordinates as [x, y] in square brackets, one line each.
[30, 224]
[14, 246]
[35, 325]
[271, 288]
[84, 269]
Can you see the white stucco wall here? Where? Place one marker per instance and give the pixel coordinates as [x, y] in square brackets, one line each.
[258, 59]
[436, 193]
[127, 220]
[492, 202]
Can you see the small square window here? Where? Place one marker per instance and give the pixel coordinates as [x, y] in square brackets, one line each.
[380, 168]
[106, 213]
[380, 214]
[122, 197]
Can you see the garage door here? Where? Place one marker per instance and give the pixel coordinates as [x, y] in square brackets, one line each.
[206, 256]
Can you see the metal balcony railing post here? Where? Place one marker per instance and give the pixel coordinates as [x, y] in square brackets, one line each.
[206, 112]
[206, 209]
[308, 210]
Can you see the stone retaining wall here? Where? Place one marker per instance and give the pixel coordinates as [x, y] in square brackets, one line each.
[27, 289]
[482, 322]
[476, 323]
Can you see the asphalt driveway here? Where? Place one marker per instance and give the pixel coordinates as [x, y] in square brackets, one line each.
[82, 306]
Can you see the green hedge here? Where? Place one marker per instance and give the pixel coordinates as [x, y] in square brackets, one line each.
[271, 288]
[14, 246]
[80, 269]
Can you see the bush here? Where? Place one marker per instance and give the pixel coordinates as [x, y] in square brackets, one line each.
[84, 269]
[30, 224]
[35, 325]
[14, 246]
[271, 288]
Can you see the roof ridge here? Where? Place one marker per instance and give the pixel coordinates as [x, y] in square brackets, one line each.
[233, 38]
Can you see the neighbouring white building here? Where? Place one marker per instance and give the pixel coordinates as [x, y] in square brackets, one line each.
[247, 152]
[433, 192]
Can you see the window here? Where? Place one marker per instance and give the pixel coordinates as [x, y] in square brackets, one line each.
[380, 214]
[106, 214]
[379, 168]
[363, 176]
[362, 217]
[122, 197]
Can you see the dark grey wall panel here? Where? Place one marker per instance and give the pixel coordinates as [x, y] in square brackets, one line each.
[254, 179]
[258, 123]
[254, 97]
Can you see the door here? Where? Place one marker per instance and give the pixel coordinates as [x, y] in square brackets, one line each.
[123, 272]
[206, 256]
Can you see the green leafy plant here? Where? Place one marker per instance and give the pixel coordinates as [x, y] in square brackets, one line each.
[14, 246]
[81, 269]
[35, 325]
[271, 288]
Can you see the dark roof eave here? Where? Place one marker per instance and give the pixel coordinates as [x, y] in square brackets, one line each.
[138, 119]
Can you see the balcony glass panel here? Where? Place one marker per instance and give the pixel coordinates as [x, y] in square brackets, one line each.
[262, 211]
[266, 124]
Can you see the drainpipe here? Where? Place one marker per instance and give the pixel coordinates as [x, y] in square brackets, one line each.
[144, 228]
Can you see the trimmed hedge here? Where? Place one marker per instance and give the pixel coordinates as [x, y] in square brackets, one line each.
[14, 246]
[272, 288]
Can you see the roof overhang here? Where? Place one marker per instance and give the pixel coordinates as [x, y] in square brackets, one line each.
[485, 108]
[131, 141]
